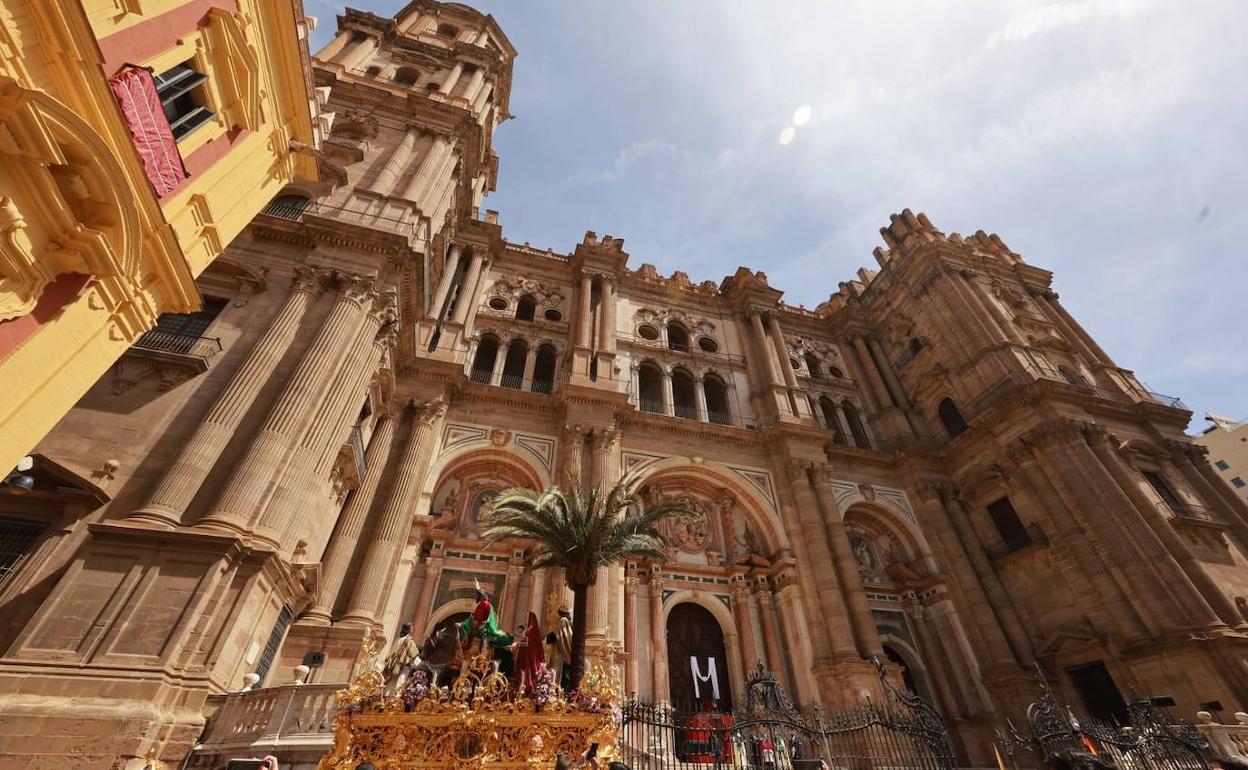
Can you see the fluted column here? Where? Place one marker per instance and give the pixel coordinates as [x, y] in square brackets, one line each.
[474, 84]
[334, 47]
[606, 309]
[583, 316]
[452, 77]
[1204, 596]
[287, 419]
[894, 385]
[782, 352]
[879, 390]
[771, 633]
[444, 284]
[396, 163]
[358, 53]
[351, 523]
[803, 676]
[309, 463]
[167, 502]
[1211, 488]
[429, 165]
[846, 566]
[764, 350]
[839, 640]
[395, 522]
[658, 639]
[745, 628]
[571, 456]
[468, 290]
[631, 667]
[598, 615]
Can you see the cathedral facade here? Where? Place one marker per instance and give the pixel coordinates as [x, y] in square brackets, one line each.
[938, 468]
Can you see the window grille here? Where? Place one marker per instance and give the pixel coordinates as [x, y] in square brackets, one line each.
[17, 541]
[275, 641]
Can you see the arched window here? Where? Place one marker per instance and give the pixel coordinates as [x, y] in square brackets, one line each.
[916, 345]
[717, 410]
[951, 418]
[407, 76]
[684, 402]
[448, 30]
[677, 337]
[650, 388]
[812, 364]
[544, 369]
[526, 308]
[483, 361]
[373, 71]
[856, 428]
[513, 366]
[828, 408]
[289, 206]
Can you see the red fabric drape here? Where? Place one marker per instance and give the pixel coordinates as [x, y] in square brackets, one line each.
[140, 104]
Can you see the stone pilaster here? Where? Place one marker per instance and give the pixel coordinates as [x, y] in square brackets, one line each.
[846, 566]
[658, 639]
[395, 522]
[167, 502]
[631, 667]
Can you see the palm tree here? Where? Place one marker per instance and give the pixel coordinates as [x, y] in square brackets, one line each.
[581, 534]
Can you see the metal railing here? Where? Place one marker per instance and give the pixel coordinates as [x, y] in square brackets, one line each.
[1170, 401]
[1188, 512]
[316, 208]
[685, 350]
[161, 341]
[512, 381]
[433, 94]
[650, 405]
[349, 142]
[481, 376]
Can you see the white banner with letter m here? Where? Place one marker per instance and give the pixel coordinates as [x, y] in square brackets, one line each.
[711, 676]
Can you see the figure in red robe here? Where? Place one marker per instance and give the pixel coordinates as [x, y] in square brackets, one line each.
[529, 654]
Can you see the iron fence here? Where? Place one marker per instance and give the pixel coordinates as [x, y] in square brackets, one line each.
[177, 342]
[768, 733]
[1150, 741]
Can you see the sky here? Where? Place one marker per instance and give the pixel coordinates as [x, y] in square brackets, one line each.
[1103, 140]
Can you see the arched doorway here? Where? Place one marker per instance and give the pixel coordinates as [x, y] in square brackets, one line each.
[908, 675]
[697, 660]
[454, 619]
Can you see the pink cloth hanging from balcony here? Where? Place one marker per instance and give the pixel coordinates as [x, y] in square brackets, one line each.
[140, 104]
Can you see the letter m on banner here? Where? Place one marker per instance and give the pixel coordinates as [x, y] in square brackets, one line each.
[699, 679]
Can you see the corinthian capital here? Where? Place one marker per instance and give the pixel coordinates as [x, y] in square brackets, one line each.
[430, 411]
[306, 279]
[354, 287]
[604, 438]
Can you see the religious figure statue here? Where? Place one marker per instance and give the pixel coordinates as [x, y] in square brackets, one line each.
[403, 660]
[528, 654]
[481, 628]
[560, 641]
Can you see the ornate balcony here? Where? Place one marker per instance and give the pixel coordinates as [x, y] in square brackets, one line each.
[298, 718]
[1183, 512]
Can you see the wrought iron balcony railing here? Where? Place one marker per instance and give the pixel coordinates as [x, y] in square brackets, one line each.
[1182, 510]
[176, 343]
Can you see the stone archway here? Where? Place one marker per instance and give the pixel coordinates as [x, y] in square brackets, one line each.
[698, 663]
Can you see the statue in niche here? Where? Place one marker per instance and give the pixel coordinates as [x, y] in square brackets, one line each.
[862, 553]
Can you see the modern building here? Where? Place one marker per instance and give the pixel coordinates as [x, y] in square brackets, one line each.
[1227, 443]
[139, 139]
[938, 467]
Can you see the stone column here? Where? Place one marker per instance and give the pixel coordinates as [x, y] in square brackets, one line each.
[761, 344]
[396, 517]
[474, 84]
[530, 362]
[782, 352]
[351, 524]
[511, 590]
[803, 673]
[468, 290]
[334, 47]
[631, 667]
[482, 96]
[287, 419]
[1211, 488]
[571, 454]
[433, 572]
[444, 284]
[358, 53]
[879, 390]
[583, 317]
[598, 609]
[842, 424]
[894, 385]
[606, 305]
[745, 628]
[771, 636]
[396, 163]
[309, 463]
[1205, 597]
[452, 78]
[840, 638]
[846, 566]
[167, 502]
[424, 176]
[669, 399]
[699, 400]
[658, 639]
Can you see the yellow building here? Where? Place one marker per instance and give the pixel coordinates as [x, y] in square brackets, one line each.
[1227, 442]
[137, 138]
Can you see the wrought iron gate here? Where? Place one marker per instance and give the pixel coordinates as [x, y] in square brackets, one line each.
[1151, 741]
[769, 733]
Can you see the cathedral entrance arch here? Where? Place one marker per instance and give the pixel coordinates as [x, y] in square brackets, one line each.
[697, 658]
